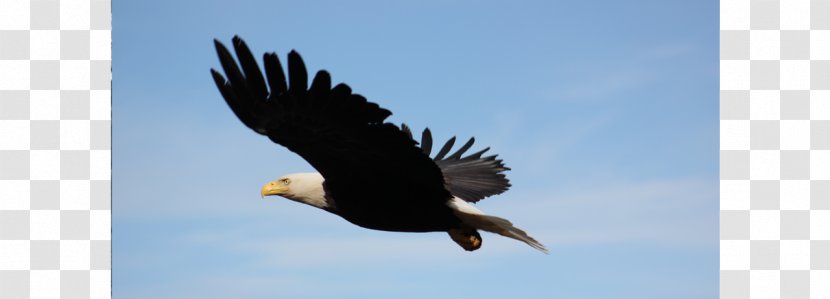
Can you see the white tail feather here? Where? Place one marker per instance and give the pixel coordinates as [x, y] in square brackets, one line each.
[476, 218]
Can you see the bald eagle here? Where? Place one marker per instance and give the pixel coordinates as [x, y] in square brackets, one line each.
[372, 173]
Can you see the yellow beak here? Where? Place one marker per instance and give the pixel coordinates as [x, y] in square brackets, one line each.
[273, 188]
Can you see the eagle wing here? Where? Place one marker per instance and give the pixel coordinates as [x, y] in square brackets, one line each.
[472, 177]
[341, 134]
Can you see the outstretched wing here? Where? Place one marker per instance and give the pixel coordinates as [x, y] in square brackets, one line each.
[339, 133]
[471, 178]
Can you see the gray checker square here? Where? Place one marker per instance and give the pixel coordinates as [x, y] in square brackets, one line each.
[100, 17]
[764, 254]
[74, 225]
[45, 74]
[764, 14]
[100, 255]
[764, 134]
[820, 134]
[14, 225]
[45, 14]
[734, 165]
[820, 74]
[795, 225]
[45, 195]
[45, 254]
[734, 45]
[795, 284]
[764, 194]
[734, 284]
[820, 254]
[100, 134]
[818, 15]
[820, 195]
[74, 104]
[45, 134]
[795, 165]
[100, 195]
[764, 74]
[14, 284]
[14, 165]
[14, 104]
[795, 104]
[734, 104]
[74, 165]
[795, 44]
[734, 225]
[74, 44]
[74, 284]
[14, 44]
[101, 74]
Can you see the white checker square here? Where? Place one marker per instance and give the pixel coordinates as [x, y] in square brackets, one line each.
[44, 284]
[795, 134]
[99, 104]
[795, 74]
[734, 74]
[45, 104]
[764, 225]
[45, 45]
[734, 254]
[100, 164]
[74, 14]
[14, 135]
[795, 15]
[820, 164]
[794, 195]
[74, 194]
[734, 15]
[100, 45]
[764, 105]
[764, 45]
[44, 225]
[74, 134]
[44, 164]
[99, 284]
[100, 225]
[734, 195]
[74, 74]
[820, 44]
[764, 165]
[820, 225]
[819, 288]
[14, 15]
[734, 134]
[795, 254]
[14, 254]
[764, 284]
[74, 255]
[15, 74]
[15, 195]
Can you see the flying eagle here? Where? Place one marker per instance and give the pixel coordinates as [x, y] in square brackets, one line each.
[370, 172]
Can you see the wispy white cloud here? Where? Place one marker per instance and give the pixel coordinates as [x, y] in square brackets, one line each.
[610, 78]
[675, 212]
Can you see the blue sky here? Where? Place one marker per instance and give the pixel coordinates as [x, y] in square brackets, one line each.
[605, 110]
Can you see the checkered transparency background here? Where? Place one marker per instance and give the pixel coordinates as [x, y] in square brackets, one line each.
[55, 148]
[775, 149]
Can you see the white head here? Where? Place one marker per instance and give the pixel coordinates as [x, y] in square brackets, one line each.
[306, 188]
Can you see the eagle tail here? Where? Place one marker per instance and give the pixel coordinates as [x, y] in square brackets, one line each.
[476, 218]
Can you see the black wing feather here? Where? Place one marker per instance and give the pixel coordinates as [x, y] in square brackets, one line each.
[471, 178]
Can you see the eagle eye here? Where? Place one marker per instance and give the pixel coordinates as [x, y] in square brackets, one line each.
[285, 181]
